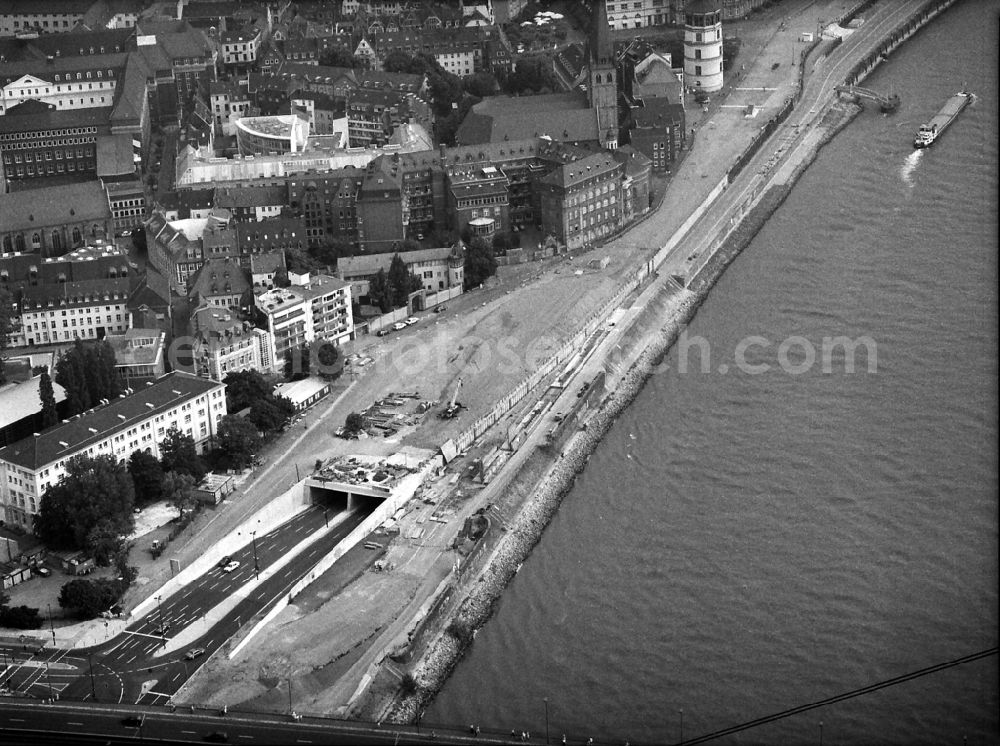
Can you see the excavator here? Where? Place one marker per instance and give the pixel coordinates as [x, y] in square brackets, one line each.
[453, 406]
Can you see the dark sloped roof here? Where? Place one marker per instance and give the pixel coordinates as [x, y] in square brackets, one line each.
[72, 437]
[575, 172]
[55, 205]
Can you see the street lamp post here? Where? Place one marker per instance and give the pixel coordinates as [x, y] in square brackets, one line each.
[159, 616]
[682, 726]
[546, 701]
[256, 564]
[93, 686]
[51, 626]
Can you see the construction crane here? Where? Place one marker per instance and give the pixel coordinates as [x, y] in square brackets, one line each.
[453, 406]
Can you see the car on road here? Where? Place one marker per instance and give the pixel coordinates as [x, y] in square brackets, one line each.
[412, 320]
[217, 736]
[231, 566]
[43, 571]
[194, 653]
[439, 309]
[162, 629]
[398, 325]
[134, 721]
[225, 561]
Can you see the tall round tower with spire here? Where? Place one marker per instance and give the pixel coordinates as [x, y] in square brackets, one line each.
[703, 45]
[602, 83]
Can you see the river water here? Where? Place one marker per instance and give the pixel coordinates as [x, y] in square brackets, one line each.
[746, 542]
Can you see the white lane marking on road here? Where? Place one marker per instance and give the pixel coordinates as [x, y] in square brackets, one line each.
[189, 732]
[241, 735]
[16, 720]
[131, 659]
[77, 724]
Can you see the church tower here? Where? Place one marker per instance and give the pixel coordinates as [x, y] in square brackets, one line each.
[602, 83]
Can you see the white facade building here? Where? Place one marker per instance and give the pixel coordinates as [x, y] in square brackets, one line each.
[135, 422]
[68, 311]
[312, 308]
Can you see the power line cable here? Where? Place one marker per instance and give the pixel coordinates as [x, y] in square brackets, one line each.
[839, 697]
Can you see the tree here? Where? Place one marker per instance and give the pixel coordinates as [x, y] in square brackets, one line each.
[88, 598]
[297, 361]
[299, 260]
[20, 617]
[88, 374]
[271, 414]
[94, 489]
[178, 453]
[243, 388]
[379, 291]
[239, 440]
[49, 414]
[480, 84]
[9, 323]
[354, 423]
[401, 281]
[327, 358]
[479, 263]
[147, 476]
[338, 57]
[104, 542]
[178, 488]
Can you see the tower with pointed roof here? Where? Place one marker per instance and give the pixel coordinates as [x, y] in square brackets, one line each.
[602, 84]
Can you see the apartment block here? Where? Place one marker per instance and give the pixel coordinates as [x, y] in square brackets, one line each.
[136, 421]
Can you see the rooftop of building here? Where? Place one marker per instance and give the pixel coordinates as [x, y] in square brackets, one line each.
[267, 262]
[42, 118]
[571, 174]
[302, 390]
[281, 125]
[137, 346]
[560, 116]
[215, 322]
[218, 276]
[67, 204]
[69, 438]
[77, 293]
[364, 264]
[22, 399]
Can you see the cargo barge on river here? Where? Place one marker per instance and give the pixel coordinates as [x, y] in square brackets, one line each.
[930, 132]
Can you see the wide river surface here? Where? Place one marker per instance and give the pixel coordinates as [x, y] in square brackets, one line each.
[747, 542]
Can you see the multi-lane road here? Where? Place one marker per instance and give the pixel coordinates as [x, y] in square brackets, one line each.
[141, 665]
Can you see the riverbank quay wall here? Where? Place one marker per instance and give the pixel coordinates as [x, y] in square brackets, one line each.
[900, 34]
[549, 482]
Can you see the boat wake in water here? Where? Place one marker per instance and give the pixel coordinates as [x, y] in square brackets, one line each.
[909, 166]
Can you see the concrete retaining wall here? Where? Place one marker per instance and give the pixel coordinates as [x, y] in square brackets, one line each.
[283, 508]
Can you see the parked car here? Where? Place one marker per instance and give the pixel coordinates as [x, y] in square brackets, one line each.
[439, 309]
[412, 320]
[194, 653]
[43, 571]
[231, 566]
[382, 333]
[398, 325]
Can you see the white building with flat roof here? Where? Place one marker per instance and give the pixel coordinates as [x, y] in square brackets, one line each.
[284, 133]
[314, 307]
